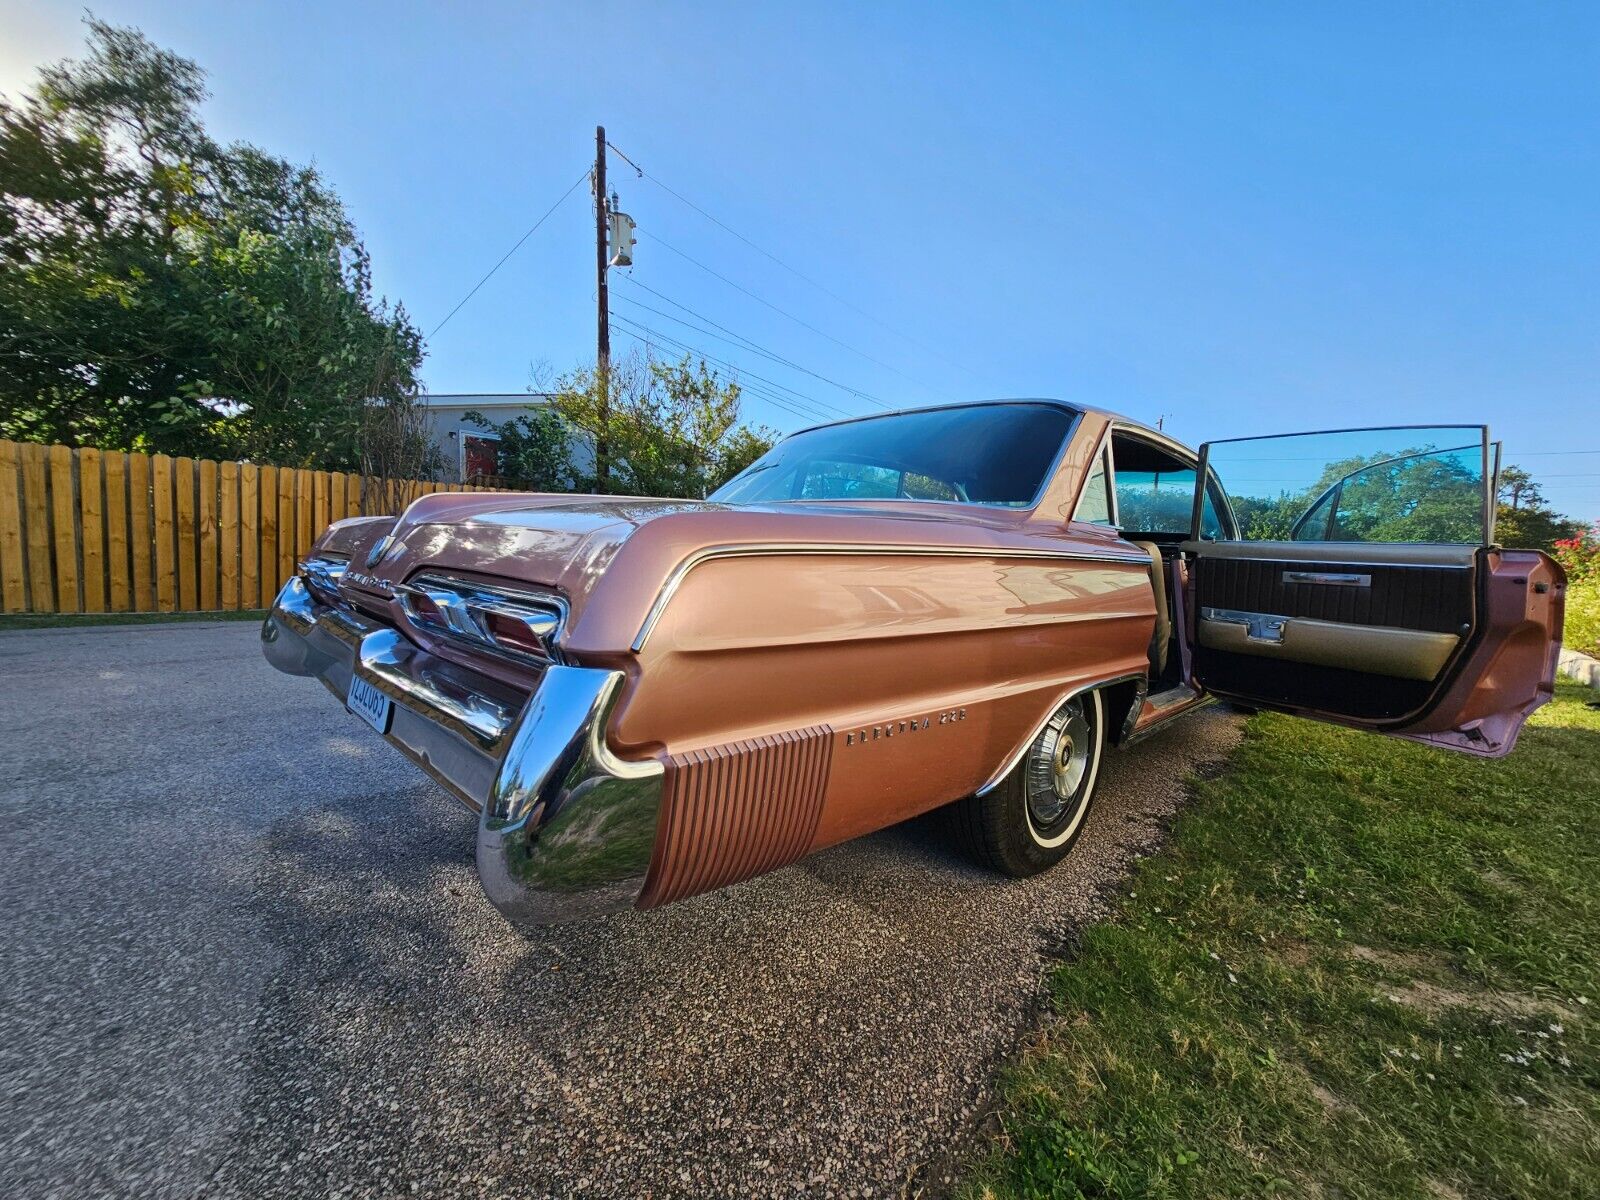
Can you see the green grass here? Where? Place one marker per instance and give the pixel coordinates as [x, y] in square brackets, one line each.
[11, 621]
[1359, 968]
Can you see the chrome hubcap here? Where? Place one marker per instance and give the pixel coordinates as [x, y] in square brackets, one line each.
[1057, 765]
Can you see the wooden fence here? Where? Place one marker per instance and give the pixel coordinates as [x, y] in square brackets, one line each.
[98, 531]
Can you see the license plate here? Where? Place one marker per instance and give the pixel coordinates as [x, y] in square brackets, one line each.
[368, 703]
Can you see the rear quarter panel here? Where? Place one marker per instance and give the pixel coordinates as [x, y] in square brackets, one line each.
[926, 670]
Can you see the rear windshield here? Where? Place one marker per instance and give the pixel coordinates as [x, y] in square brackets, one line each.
[978, 454]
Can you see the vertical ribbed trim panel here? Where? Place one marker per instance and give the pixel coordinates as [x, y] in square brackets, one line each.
[736, 811]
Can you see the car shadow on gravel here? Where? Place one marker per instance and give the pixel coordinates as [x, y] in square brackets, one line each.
[827, 1027]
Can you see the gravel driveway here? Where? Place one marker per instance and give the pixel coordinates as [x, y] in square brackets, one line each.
[243, 952]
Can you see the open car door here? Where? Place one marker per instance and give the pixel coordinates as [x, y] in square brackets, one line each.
[1351, 577]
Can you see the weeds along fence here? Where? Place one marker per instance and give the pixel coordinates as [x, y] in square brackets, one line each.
[90, 531]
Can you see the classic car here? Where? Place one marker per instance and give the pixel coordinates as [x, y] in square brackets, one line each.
[960, 606]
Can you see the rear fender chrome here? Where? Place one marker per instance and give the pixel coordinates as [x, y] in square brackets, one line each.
[566, 829]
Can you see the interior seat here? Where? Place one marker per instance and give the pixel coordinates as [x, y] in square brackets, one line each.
[1161, 639]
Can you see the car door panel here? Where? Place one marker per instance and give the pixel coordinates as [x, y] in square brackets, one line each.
[1467, 690]
[1447, 642]
[1280, 577]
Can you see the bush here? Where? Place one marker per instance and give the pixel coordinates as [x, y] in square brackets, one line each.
[1580, 557]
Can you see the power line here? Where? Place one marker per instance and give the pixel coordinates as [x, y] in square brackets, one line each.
[754, 345]
[798, 321]
[746, 343]
[826, 291]
[511, 251]
[780, 394]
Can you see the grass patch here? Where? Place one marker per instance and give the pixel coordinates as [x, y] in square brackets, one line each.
[1359, 968]
[10, 621]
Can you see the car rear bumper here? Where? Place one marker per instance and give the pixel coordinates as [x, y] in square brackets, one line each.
[565, 828]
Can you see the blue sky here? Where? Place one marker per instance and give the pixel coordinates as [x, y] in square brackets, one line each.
[1244, 218]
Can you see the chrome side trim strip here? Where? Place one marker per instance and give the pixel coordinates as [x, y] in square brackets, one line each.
[780, 549]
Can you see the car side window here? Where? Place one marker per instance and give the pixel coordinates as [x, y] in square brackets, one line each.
[1094, 502]
[1406, 484]
[1155, 491]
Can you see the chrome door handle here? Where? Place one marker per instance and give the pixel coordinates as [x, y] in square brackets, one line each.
[1259, 627]
[1333, 578]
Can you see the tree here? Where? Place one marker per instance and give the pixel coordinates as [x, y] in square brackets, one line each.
[1523, 519]
[535, 449]
[672, 429]
[159, 291]
[1518, 489]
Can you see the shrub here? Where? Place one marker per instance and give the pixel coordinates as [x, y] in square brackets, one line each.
[1580, 557]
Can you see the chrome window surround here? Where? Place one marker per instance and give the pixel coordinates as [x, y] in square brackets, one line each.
[466, 605]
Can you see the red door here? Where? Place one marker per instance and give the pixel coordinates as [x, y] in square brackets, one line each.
[481, 456]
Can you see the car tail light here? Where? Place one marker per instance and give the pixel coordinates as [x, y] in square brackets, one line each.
[517, 623]
[425, 609]
[514, 633]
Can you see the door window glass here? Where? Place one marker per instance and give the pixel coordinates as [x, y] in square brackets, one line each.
[1413, 484]
[1155, 491]
[1094, 502]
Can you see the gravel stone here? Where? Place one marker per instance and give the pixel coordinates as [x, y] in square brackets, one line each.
[245, 954]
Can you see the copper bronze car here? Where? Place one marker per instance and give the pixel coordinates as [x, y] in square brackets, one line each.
[647, 699]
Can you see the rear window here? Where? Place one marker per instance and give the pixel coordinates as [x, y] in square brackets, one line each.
[996, 454]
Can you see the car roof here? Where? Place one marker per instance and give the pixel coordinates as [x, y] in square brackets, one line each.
[1116, 418]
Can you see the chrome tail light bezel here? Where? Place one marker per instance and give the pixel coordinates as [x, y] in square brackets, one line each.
[323, 572]
[464, 607]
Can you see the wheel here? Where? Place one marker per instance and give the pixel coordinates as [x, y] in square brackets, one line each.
[1030, 819]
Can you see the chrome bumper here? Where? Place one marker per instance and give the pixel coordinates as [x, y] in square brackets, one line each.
[565, 828]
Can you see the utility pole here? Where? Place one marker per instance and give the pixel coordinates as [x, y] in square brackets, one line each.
[602, 450]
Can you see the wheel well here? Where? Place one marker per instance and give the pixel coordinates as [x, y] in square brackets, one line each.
[1122, 701]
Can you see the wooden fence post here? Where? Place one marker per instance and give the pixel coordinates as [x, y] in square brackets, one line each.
[249, 537]
[141, 535]
[228, 529]
[64, 531]
[121, 598]
[207, 515]
[165, 535]
[41, 576]
[92, 523]
[269, 534]
[13, 566]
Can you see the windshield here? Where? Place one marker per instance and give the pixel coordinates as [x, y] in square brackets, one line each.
[978, 454]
